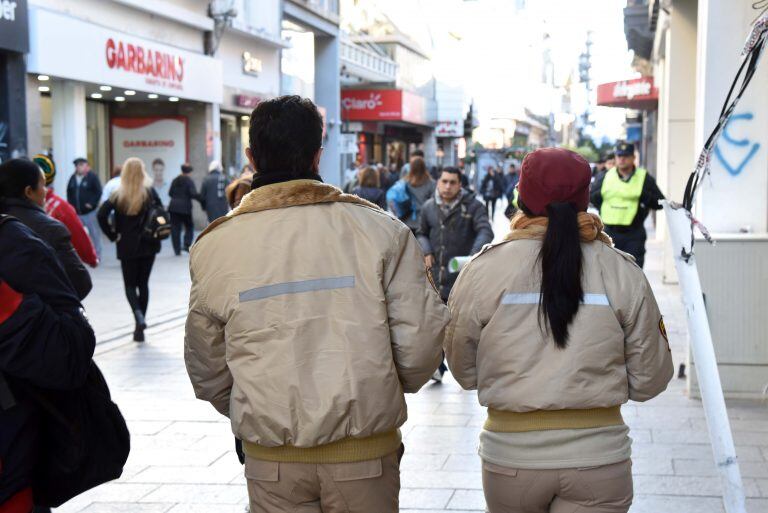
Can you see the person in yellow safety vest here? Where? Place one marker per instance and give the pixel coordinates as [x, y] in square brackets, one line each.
[624, 196]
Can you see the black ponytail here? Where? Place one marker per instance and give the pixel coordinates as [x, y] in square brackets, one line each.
[561, 267]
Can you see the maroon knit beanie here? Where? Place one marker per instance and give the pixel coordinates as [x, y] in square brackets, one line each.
[554, 175]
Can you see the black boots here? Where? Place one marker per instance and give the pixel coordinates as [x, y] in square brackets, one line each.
[141, 325]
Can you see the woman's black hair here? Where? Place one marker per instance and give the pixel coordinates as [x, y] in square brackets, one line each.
[561, 268]
[16, 175]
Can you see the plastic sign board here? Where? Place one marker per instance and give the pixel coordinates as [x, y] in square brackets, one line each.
[70, 48]
[163, 138]
[383, 105]
[638, 93]
[14, 32]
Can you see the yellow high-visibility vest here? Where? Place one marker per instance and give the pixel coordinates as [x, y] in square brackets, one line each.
[621, 200]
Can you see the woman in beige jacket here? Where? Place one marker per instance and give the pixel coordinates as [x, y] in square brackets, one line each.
[556, 329]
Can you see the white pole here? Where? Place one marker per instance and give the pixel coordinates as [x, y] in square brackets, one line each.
[718, 425]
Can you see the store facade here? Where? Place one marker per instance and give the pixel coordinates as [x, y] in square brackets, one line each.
[389, 124]
[105, 94]
[14, 43]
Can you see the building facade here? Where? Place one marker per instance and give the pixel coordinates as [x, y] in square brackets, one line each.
[14, 44]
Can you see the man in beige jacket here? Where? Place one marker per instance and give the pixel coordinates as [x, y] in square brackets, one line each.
[310, 315]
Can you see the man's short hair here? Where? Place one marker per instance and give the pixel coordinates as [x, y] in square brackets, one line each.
[285, 135]
[417, 153]
[186, 168]
[452, 170]
[158, 161]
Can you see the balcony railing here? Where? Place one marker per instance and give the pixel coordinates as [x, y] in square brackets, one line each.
[366, 64]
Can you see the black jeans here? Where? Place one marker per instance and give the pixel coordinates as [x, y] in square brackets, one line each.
[179, 221]
[632, 242]
[136, 273]
[490, 205]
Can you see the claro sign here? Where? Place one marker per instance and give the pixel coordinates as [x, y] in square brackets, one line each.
[110, 57]
[382, 105]
[159, 68]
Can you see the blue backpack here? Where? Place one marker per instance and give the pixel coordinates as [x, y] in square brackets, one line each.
[399, 196]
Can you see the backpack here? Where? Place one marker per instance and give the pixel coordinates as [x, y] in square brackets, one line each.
[156, 225]
[399, 196]
[83, 441]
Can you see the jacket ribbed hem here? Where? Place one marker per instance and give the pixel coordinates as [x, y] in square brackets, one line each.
[346, 450]
[517, 422]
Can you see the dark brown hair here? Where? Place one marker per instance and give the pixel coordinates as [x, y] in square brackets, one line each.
[369, 177]
[417, 174]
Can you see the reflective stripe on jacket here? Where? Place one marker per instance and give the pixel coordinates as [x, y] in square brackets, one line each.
[621, 200]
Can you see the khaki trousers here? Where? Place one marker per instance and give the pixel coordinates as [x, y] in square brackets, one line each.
[604, 489]
[370, 486]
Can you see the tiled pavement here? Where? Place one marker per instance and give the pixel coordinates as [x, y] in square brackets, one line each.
[182, 457]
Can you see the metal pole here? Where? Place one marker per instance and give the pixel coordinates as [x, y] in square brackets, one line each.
[718, 425]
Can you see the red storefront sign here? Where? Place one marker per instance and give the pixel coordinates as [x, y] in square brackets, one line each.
[156, 65]
[383, 105]
[638, 93]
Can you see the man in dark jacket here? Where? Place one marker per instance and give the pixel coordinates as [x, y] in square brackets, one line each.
[182, 192]
[45, 341]
[22, 195]
[84, 193]
[452, 224]
[212, 195]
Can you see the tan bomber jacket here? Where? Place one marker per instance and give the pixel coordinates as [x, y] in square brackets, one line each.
[617, 348]
[310, 314]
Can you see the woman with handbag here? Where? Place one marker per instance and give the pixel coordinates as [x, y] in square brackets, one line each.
[137, 208]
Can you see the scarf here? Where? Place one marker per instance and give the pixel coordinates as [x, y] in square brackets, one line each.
[272, 178]
[524, 227]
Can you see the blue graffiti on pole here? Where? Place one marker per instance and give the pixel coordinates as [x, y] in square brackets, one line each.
[736, 170]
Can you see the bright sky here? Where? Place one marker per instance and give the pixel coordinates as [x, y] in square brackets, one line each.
[495, 49]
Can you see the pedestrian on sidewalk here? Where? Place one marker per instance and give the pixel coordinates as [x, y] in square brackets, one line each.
[62, 211]
[45, 341]
[130, 205]
[492, 187]
[554, 345]
[370, 187]
[452, 224]
[212, 192]
[84, 193]
[22, 195]
[182, 192]
[625, 195]
[407, 196]
[309, 317]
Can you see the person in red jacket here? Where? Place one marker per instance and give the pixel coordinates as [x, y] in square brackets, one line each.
[59, 209]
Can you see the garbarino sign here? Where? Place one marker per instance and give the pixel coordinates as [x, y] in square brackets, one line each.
[638, 93]
[383, 105]
[71, 48]
[159, 68]
[14, 35]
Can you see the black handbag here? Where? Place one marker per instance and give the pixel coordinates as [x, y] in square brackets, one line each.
[84, 440]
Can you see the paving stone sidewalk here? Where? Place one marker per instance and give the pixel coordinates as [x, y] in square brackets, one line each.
[182, 457]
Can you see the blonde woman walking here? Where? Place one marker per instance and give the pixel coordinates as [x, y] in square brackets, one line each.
[554, 345]
[136, 252]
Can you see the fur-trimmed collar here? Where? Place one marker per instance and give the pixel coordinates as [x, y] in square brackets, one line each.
[288, 194]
